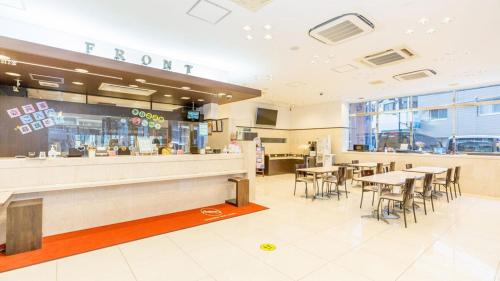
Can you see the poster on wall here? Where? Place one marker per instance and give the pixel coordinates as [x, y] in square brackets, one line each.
[14, 112]
[146, 119]
[29, 108]
[34, 119]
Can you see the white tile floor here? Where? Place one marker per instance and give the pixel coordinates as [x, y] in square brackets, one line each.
[320, 240]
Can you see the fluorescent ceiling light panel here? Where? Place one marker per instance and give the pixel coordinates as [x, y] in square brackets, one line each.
[208, 11]
[126, 90]
[45, 78]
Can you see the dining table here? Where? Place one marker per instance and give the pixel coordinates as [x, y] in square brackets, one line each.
[395, 178]
[316, 171]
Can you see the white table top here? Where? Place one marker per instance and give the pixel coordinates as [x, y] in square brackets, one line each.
[368, 165]
[391, 178]
[4, 197]
[320, 170]
[428, 170]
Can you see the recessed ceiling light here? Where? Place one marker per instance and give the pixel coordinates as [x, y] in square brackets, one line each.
[3, 57]
[267, 27]
[201, 100]
[430, 30]
[140, 80]
[185, 98]
[133, 86]
[423, 20]
[247, 28]
[409, 31]
[167, 96]
[186, 88]
[77, 83]
[81, 70]
[13, 74]
[446, 20]
[249, 37]
[268, 37]
[294, 48]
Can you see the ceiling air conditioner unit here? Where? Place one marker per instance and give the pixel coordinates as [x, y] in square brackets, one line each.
[419, 74]
[388, 57]
[341, 28]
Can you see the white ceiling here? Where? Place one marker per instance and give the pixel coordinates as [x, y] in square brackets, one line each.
[464, 51]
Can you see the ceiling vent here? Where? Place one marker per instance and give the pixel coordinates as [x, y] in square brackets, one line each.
[252, 5]
[414, 75]
[342, 28]
[208, 11]
[44, 78]
[126, 90]
[388, 57]
[48, 84]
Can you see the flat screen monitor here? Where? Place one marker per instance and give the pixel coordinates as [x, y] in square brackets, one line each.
[266, 117]
[193, 115]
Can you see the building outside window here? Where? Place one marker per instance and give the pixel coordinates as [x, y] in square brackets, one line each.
[462, 121]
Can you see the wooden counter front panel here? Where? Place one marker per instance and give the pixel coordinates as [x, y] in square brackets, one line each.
[281, 166]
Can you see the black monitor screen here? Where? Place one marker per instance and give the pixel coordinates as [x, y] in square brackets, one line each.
[193, 115]
[266, 117]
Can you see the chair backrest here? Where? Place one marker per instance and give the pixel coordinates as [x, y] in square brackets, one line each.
[299, 166]
[393, 166]
[427, 185]
[449, 173]
[349, 174]
[456, 179]
[342, 175]
[380, 168]
[409, 166]
[409, 188]
[355, 162]
[367, 173]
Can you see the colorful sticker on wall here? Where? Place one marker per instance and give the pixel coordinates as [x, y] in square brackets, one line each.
[157, 126]
[26, 119]
[42, 105]
[14, 112]
[151, 124]
[136, 121]
[142, 114]
[25, 129]
[149, 115]
[37, 125]
[135, 112]
[50, 112]
[48, 122]
[29, 108]
[39, 115]
[145, 123]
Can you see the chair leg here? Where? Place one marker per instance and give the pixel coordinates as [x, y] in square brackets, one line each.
[378, 209]
[373, 197]
[455, 188]
[361, 204]
[425, 207]
[447, 199]
[459, 191]
[322, 185]
[432, 203]
[295, 189]
[404, 216]
[414, 213]
[338, 191]
[306, 190]
[345, 187]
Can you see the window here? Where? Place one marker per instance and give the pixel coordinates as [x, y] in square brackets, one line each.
[463, 121]
[438, 114]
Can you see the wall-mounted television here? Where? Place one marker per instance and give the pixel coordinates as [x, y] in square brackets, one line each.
[193, 115]
[266, 117]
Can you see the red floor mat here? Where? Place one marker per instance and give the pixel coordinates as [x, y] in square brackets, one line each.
[72, 243]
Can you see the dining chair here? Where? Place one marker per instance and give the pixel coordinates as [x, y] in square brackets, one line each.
[301, 177]
[426, 191]
[456, 181]
[405, 198]
[355, 171]
[367, 187]
[338, 180]
[380, 168]
[392, 166]
[446, 183]
[409, 166]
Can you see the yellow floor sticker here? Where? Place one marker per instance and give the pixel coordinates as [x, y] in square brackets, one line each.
[268, 247]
